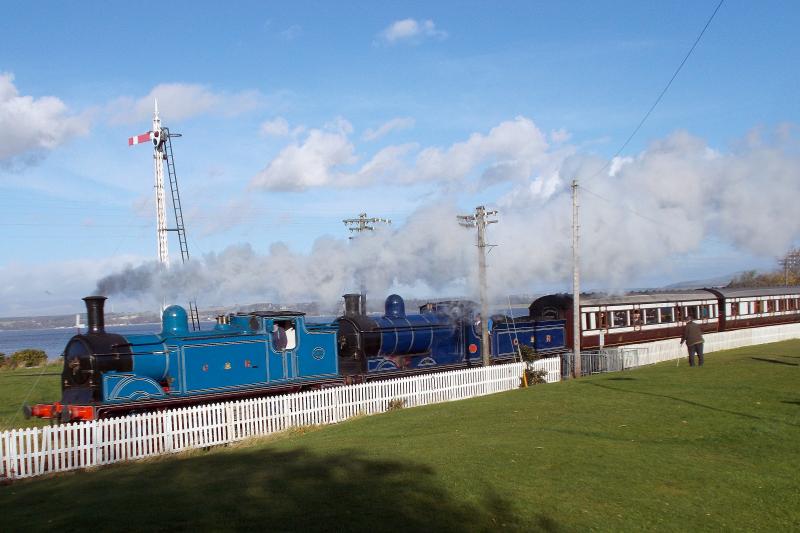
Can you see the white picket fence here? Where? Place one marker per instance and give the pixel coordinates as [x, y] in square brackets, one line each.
[669, 350]
[36, 451]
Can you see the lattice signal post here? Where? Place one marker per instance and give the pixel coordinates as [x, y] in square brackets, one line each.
[156, 136]
[160, 137]
[480, 220]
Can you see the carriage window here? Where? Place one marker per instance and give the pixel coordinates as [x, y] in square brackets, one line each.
[636, 317]
[666, 315]
[791, 306]
[704, 311]
[602, 321]
[679, 314]
[289, 334]
[757, 306]
[651, 316]
[690, 312]
[620, 318]
[550, 313]
[744, 308]
[770, 306]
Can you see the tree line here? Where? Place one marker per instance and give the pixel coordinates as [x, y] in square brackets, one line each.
[23, 359]
[788, 274]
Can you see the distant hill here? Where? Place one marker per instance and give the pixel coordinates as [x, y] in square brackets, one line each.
[719, 281]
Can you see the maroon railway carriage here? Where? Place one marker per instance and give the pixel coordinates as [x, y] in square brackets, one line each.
[646, 317]
[749, 308]
[633, 318]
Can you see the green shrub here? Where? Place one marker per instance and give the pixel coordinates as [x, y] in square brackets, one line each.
[528, 353]
[395, 404]
[28, 357]
[535, 377]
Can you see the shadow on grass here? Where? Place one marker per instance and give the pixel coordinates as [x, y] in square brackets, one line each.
[795, 402]
[773, 361]
[259, 488]
[688, 402]
[621, 379]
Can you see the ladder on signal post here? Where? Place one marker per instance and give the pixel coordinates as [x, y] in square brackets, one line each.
[176, 208]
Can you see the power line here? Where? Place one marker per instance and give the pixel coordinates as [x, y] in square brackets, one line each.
[661, 95]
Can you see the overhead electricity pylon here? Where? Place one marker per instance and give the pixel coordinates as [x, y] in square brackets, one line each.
[480, 220]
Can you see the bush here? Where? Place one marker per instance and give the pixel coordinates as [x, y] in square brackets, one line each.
[395, 404]
[28, 357]
[528, 353]
[2, 359]
[536, 377]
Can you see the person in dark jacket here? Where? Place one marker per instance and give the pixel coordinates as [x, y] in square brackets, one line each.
[278, 338]
[693, 337]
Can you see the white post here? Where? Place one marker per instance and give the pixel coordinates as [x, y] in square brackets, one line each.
[161, 206]
[576, 284]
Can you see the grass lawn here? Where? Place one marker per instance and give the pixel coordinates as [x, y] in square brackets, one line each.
[27, 385]
[657, 448]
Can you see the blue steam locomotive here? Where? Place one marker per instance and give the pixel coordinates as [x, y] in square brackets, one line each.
[259, 353]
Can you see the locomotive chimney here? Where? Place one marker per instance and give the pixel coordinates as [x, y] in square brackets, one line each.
[94, 313]
[352, 305]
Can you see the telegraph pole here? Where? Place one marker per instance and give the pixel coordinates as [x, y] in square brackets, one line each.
[362, 223]
[480, 220]
[576, 285]
[359, 225]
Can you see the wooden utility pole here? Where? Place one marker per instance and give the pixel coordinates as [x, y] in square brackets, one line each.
[480, 220]
[576, 285]
[359, 225]
[362, 223]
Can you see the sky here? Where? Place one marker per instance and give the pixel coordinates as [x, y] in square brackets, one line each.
[297, 115]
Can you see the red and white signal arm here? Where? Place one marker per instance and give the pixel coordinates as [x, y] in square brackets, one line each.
[140, 139]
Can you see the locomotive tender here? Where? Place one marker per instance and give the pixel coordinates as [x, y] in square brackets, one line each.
[260, 353]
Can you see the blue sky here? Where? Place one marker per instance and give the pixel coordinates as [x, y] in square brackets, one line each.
[295, 116]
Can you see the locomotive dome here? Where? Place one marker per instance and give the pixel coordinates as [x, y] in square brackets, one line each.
[175, 321]
[395, 306]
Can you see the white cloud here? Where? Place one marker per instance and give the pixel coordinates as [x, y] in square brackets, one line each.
[312, 163]
[178, 101]
[411, 31]
[30, 126]
[277, 127]
[511, 151]
[400, 123]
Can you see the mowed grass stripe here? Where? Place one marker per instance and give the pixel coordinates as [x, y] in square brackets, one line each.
[658, 448]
